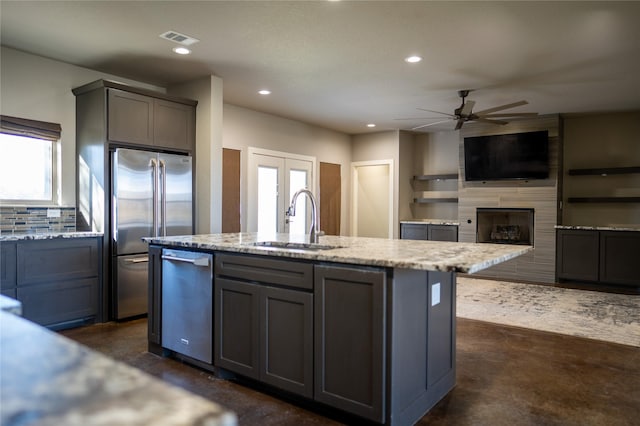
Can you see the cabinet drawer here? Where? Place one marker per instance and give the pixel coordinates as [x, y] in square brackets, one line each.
[265, 270]
[49, 304]
[56, 260]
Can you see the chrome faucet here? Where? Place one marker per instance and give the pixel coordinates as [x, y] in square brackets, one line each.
[314, 230]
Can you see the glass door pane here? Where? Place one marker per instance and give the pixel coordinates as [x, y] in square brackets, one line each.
[267, 199]
[298, 223]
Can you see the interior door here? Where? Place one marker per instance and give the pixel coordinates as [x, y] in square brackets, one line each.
[372, 199]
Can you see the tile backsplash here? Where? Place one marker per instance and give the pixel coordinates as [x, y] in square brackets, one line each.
[23, 219]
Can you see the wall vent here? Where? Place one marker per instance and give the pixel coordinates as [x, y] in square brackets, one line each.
[176, 37]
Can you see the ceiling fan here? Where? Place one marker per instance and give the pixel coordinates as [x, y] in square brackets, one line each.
[464, 113]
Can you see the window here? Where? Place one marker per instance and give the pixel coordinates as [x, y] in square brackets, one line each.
[28, 159]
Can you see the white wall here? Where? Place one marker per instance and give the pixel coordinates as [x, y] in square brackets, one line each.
[381, 146]
[244, 128]
[38, 88]
[208, 168]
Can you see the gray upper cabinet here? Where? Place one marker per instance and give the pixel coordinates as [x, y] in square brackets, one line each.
[130, 117]
[350, 321]
[110, 112]
[144, 120]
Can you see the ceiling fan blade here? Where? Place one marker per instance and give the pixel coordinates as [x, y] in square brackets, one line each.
[430, 124]
[459, 124]
[437, 112]
[467, 108]
[419, 118]
[485, 120]
[501, 107]
[510, 114]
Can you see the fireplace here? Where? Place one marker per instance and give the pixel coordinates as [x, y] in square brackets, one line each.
[504, 226]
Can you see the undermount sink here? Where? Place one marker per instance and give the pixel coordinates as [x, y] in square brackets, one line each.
[294, 246]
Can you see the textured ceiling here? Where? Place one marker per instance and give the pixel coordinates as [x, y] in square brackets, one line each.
[340, 64]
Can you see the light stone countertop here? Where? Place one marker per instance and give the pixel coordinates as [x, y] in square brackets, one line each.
[628, 227]
[409, 254]
[23, 236]
[48, 379]
[432, 222]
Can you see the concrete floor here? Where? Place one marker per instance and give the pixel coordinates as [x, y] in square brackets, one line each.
[506, 376]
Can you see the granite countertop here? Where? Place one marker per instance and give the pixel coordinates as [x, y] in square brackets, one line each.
[48, 379]
[432, 221]
[410, 254]
[628, 227]
[22, 236]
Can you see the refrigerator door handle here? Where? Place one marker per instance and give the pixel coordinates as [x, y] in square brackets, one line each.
[137, 260]
[154, 170]
[163, 213]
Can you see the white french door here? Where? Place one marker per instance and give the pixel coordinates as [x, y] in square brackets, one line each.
[273, 179]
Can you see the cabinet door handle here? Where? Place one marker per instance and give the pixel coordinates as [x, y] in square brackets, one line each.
[201, 261]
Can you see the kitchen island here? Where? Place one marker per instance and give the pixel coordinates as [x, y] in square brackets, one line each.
[364, 325]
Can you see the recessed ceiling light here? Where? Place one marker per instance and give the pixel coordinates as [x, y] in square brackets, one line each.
[413, 59]
[265, 92]
[181, 50]
[371, 125]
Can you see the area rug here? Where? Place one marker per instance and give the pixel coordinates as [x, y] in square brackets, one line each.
[591, 314]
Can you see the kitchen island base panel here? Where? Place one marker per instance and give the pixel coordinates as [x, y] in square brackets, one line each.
[422, 338]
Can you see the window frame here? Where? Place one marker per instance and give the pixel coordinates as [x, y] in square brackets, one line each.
[48, 132]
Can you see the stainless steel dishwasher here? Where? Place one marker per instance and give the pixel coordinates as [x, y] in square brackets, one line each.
[187, 303]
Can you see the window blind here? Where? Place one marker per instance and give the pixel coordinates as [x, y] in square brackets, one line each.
[30, 128]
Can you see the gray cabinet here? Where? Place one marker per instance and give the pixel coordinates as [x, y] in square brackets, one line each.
[604, 257]
[145, 120]
[154, 316]
[442, 233]
[8, 269]
[619, 257]
[56, 280]
[578, 254]
[350, 321]
[264, 320]
[433, 232]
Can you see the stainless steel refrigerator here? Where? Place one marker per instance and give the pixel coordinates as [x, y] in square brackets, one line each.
[152, 196]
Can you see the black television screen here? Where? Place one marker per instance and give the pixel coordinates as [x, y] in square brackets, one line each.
[511, 156]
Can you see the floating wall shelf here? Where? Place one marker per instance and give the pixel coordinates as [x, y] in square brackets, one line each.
[604, 199]
[434, 200]
[604, 171]
[446, 176]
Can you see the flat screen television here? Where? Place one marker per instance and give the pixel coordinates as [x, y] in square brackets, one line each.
[512, 156]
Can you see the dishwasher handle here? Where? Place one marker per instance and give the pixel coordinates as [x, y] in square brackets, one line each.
[200, 261]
